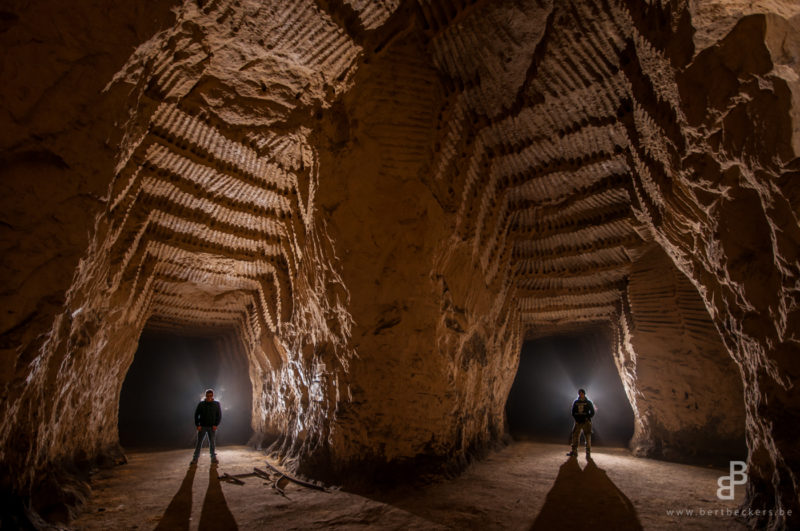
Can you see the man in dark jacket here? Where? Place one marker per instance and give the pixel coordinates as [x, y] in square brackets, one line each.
[582, 412]
[207, 417]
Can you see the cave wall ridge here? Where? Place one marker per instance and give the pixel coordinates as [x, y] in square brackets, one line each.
[379, 201]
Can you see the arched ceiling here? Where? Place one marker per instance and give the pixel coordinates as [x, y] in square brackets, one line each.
[533, 153]
[383, 197]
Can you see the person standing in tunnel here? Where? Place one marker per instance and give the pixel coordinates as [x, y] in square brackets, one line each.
[582, 412]
[207, 417]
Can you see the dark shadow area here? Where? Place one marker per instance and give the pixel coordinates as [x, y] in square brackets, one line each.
[216, 515]
[12, 512]
[179, 510]
[551, 370]
[585, 499]
[167, 379]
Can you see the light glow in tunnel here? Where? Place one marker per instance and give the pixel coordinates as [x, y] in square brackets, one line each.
[551, 370]
[167, 379]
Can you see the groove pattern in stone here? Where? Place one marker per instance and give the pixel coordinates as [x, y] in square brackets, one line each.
[381, 200]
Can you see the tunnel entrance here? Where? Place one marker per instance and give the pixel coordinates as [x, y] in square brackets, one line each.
[168, 377]
[551, 370]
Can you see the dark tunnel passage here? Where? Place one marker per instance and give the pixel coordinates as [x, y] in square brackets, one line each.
[168, 377]
[551, 370]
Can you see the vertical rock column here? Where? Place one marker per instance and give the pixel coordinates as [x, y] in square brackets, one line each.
[436, 345]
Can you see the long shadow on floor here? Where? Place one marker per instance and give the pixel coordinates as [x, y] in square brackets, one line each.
[585, 499]
[179, 509]
[215, 514]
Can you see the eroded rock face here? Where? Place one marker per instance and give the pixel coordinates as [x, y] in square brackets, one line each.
[686, 388]
[379, 201]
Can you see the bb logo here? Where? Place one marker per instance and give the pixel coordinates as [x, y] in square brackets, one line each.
[738, 476]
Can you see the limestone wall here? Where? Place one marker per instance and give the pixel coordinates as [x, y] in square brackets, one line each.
[687, 389]
[381, 199]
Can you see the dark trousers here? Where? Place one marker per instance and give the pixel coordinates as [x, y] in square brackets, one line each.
[586, 428]
[201, 434]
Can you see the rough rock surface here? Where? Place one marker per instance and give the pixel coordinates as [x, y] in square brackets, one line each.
[380, 200]
[686, 388]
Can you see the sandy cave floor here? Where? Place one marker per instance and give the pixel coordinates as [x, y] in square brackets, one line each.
[526, 485]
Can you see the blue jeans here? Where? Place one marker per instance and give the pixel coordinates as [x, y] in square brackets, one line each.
[201, 434]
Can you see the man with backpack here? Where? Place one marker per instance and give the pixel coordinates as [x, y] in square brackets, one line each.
[582, 412]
